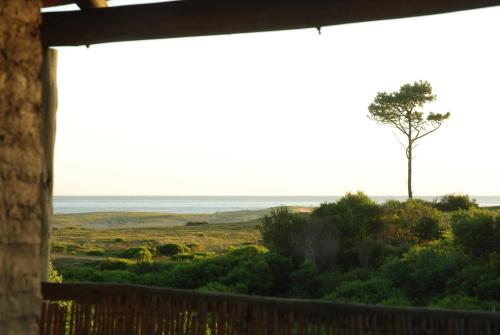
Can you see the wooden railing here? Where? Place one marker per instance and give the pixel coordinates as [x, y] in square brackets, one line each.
[111, 309]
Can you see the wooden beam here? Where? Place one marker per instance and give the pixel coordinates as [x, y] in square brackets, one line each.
[47, 133]
[212, 17]
[89, 4]
[83, 4]
[54, 3]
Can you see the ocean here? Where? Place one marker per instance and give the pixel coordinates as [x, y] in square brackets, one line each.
[206, 204]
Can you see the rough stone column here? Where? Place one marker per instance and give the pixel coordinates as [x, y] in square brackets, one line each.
[21, 166]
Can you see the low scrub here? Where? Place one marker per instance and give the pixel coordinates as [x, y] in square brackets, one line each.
[141, 254]
[172, 249]
[196, 223]
[95, 252]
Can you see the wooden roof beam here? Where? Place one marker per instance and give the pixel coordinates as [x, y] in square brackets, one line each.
[213, 17]
[54, 3]
[83, 4]
[88, 4]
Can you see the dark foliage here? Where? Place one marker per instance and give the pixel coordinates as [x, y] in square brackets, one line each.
[454, 202]
[171, 249]
[398, 253]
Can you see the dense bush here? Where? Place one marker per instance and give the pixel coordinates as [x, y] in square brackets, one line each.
[309, 282]
[424, 223]
[465, 303]
[355, 215]
[352, 219]
[141, 254]
[372, 291]
[171, 249]
[454, 202]
[423, 272]
[277, 229]
[300, 236]
[316, 240]
[477, 232]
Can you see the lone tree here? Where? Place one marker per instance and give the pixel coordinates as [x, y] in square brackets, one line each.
[401, 110]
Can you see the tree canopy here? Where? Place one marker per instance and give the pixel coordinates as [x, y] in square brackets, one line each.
[402, 110]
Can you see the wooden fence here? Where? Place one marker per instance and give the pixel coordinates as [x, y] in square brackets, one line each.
[111, 309]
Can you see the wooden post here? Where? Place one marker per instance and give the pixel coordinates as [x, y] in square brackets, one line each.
[48, 131]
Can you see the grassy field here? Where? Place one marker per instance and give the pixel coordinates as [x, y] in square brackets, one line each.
[96, 235]
[81, 238]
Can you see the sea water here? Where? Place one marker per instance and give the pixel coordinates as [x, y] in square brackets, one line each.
[207, 204]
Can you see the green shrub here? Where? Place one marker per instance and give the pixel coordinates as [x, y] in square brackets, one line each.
[83, 273]
[203, 254]
[171, 249]
[488, 288]
[72, 247]
[423, 222]
[454, 202]
[316, 240]
[215, 287]
[305, 282]
[465, 303]
[141, 254]
[116, 264]
[477, 232]
[372, 254]
[394, 231]
[248, 250]
[355, 215]
[59, 247]
[352, 219]
[250, 275]
[119, 240]
[119, 276]
[54, 276]
[277, 229]
[372, 291]
[280, 267]
[183, 257]
[423, 273]
[95, 252]
[396, 301]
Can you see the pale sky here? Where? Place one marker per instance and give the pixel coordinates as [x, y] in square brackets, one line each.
[280, 113]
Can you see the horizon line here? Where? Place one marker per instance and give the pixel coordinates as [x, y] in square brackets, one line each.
[272, 195]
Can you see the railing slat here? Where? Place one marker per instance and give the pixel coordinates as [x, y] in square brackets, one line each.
[108, 309]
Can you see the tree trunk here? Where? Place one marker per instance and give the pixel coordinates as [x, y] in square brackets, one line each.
[409, 156]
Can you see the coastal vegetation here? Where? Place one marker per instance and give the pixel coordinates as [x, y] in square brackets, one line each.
[413, 253]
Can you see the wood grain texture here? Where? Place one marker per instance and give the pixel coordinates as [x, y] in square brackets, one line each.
[212, 17]
[47, 134]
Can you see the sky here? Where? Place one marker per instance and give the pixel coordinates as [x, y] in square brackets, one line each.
[280, 113]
